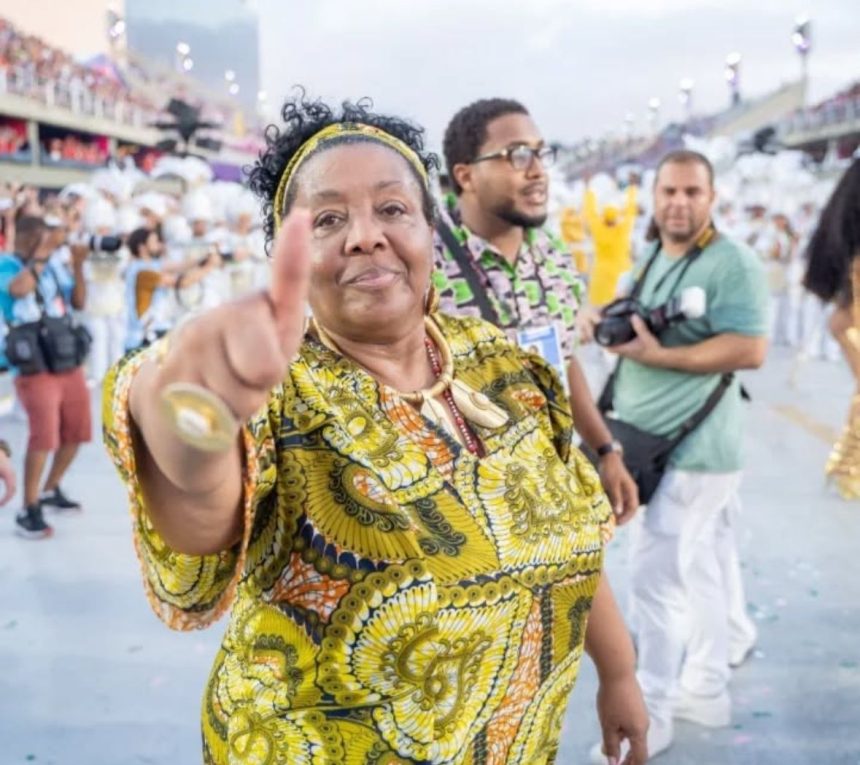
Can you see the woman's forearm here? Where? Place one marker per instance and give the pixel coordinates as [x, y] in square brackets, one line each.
[607, 640]
[193, 498]
[587, 420]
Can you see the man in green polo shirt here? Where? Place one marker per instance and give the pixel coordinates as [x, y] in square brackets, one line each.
[682, 554]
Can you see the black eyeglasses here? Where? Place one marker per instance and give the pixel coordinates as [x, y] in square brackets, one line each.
[521, 156]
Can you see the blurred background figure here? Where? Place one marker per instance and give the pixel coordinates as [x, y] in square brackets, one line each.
[833, 275]
[611, 227]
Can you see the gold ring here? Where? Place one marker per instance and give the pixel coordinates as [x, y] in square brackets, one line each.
[199, 417]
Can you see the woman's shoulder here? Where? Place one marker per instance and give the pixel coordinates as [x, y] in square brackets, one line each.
[471, 334]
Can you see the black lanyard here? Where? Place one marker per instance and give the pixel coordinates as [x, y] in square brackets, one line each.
[605, 401]
[682, 264]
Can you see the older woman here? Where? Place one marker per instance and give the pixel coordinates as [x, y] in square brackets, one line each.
[408, 544]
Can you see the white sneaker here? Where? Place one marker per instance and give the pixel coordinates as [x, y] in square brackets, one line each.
[710, 711]
[659, 740]
[740, 652]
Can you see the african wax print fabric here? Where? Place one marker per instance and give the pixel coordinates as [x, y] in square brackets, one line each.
[394, 598]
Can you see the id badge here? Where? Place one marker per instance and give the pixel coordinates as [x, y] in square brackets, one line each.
[545, 340]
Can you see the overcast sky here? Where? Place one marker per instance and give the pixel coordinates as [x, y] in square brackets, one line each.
[579, 65]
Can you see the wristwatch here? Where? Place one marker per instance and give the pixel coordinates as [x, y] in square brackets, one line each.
[4, 447]
[609, 447]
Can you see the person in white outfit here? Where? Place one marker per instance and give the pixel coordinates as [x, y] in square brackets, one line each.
[204, 244]
[784, 276]
[103, 271]
[685, 552]
[249, 267]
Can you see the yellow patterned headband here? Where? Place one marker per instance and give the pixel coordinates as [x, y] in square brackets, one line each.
[340, 130]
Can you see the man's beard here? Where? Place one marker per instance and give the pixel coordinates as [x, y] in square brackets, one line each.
[516, 218]
[679, 237]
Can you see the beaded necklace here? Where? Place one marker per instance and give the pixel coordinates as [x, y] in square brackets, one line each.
[469, 440]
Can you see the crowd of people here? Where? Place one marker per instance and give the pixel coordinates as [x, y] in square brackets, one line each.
[383, 486]
[74, 150]
[31, 67]
[137, 94]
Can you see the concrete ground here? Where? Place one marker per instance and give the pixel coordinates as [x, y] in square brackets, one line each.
[89, 676]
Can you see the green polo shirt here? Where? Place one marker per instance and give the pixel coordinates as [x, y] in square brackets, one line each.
[659, 400]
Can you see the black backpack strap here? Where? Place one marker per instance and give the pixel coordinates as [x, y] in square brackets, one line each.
[698, 417]
[469, 270]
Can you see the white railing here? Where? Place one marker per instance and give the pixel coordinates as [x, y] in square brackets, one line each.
[71, 94]
[836, 112]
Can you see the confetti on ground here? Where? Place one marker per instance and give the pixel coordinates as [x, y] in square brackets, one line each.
[759, 654]
[813, 593]
[741, 740]
[762, 713]
[31, 757]
[157, 681]
[10, 625]
[135, 648]
[781, 602]
[848, 664]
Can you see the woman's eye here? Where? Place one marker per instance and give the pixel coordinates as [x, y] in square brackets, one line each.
[326, 220]
[392, 211]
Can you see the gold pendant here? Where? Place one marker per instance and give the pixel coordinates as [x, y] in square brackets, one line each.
[476, 407]
[199, 417]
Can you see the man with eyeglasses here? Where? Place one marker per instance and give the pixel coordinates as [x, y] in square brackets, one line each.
[495, 259]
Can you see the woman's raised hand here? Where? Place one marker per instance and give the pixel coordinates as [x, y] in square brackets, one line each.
[240, 350]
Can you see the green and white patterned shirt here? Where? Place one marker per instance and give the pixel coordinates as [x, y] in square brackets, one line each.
[541, 287]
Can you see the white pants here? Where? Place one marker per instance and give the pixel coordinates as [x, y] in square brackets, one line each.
[108, 343]
[742, 631]
[816, 341]
[682, 555]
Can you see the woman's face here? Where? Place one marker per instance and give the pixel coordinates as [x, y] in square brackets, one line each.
[372, 247]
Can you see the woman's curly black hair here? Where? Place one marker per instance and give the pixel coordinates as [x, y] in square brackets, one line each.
[303, 119]
[836, 240]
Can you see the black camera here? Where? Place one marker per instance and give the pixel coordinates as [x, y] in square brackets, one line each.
[107, 243]
[616, 326]
[96, 242]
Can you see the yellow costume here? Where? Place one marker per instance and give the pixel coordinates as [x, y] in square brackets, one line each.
[572, 225]
[395, 599]
[611, 232]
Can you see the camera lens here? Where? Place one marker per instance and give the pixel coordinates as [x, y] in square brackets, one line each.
[603, 334]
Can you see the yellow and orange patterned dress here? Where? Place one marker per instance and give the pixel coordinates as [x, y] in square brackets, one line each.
[395, 599]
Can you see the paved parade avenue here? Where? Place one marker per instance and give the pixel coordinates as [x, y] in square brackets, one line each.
[90, 677]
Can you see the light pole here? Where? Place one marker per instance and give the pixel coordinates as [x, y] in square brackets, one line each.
[653, 113]
[184, 62]
[733, 77]
[262, 104]
[801, 39]
[629, 126]
[116, 28]
[232, 85]
[685, 95]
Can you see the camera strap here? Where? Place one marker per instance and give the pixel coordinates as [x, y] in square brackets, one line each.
[605, 401]
[682, 263]
[469, 270]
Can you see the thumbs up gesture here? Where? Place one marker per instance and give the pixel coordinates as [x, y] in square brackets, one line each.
[242, 349]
